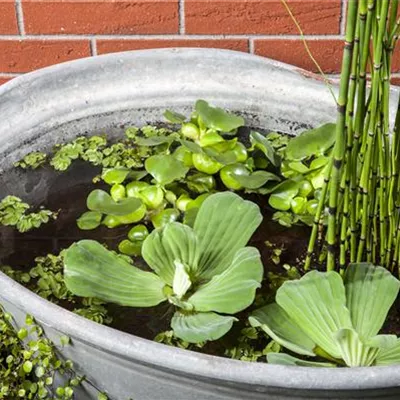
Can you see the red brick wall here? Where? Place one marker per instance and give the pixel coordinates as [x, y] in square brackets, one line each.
[37, 33]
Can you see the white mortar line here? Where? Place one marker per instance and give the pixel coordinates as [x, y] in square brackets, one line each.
[20, 17]
[93, 47]
[343, 15]
[181, 11]
[251, 46]
[9, 74]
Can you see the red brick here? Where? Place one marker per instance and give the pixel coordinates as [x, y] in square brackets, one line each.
[4, 79]
[111, 46]
[101, 17]
[396, 59]
[8, 18]
[395, 81]
[27, 55]
[261, 16]
[328, 53]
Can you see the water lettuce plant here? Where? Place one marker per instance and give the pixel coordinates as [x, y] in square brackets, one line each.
[206, 271]
[338, 319]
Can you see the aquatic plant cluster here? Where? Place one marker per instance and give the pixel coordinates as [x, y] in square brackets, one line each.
[190, 195]
[184, 201]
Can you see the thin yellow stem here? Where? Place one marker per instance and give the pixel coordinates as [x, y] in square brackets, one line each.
[326, 80]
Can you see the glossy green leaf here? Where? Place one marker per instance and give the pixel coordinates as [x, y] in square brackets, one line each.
[197, 328]
[165, 217]
[90, 270]
[312, 142]
[132, 249]
[174, 117]
[299, 167]
[274, 320]
[165, 168]
[101, 201]
[217, 118]
[114, 176]
[286, 359]
[227, 145]
[200, 182]
[190, 130]
[224, 224]
[319, 162]
[210, 138]
[155, 140]
[89, 220]
[256, 179]
[175, 243]
[260, 142]
[317, 177]
[190, 217]
[234, 289]
[191, 146]
[138, 233]
[228, 157]
[370, 292]
[317, 303]
[283, 194]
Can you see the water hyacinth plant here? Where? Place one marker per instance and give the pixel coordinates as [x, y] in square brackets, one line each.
[206, 271]
[337, 319]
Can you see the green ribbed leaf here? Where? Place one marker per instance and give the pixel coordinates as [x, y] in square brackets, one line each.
[370, 292]
[382, 341]
[353, 351]
[316, 303]
[176, 242]
[389, 356]
[234, 289]
[277, 324]
[90, 270]
[197, 328]
[286, 359]
[224, 224]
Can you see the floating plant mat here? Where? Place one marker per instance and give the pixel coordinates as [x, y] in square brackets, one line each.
[155, 176]
[53, 237]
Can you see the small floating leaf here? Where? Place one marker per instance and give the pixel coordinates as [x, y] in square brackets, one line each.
[101, 201]
[165, 168]
[155, 140]
[89, 220]
[174, 117]
[217, 118]
[312, 142]
[283, 194]
[114, 176]
[263, 144]
[256, 179]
